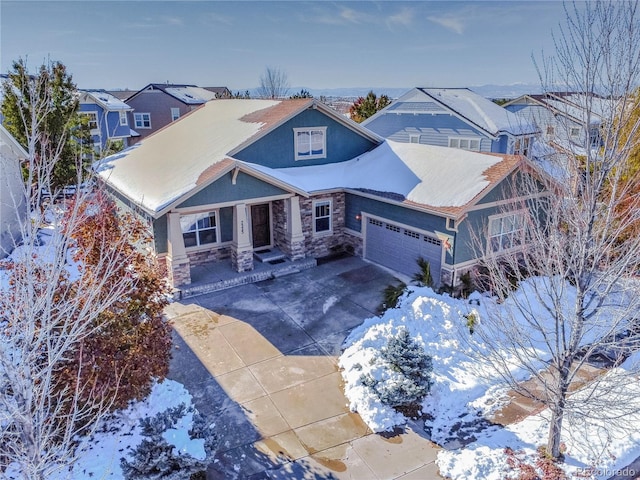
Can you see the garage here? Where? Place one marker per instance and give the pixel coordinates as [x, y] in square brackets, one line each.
[399, 248]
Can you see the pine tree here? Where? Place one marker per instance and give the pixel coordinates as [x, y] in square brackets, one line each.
[155, 458]
[48, 99]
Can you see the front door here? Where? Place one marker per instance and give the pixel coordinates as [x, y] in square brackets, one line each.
[260, 225]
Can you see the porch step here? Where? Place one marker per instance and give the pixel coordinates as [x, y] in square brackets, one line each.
[268, 255]
[265, 273]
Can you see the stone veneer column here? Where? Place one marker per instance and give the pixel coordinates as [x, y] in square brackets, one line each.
[178, 265]
[241, 250]
[294, 235]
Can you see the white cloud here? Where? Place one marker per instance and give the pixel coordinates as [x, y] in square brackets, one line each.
[403, 17]
[455, 24]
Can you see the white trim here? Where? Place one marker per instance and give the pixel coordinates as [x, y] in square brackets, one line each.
[175, 110]
[414, 136]
[507, 201]
[353, 233]
[314, 218]
[140, 116]
[311, 156]
[217, 228]
[460, 139]
[521, 213]
[123, 116]
[233, 203]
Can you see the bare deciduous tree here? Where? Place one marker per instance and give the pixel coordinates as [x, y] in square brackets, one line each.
[584, 277]
[274, 84]
[47, 308]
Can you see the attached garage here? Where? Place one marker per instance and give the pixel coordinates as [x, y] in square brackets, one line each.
[399, 248]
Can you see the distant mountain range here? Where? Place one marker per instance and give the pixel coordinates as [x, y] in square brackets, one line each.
[489, 91]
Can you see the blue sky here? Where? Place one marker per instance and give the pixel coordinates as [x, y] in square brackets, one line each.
[322, 44]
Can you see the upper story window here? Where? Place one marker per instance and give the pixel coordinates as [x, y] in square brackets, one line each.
[175, 114]
[123, 119]
[322, 216]
[199, 229]
[506, 232]
[414, 138]
[574, 131]
[93, 119]
[142, 120]
[310, 143]
[465, 143]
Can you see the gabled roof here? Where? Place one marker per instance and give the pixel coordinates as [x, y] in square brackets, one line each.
[440, 180]
[182, 158]
[9, 145]
[104, 99]
[187, 94]
[464, 103]
[570, 104]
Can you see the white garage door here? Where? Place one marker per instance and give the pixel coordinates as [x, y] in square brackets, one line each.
[399, 248]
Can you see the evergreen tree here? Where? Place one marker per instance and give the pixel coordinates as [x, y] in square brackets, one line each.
[302, 94]
[365, 107]
[155, 458]
[47, 103]
[411, 367]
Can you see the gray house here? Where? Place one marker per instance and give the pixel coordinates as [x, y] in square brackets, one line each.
[235, 178]
[13, 204]
[158, 104]
[453, 117]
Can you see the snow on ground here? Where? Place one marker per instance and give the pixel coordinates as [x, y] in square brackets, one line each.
[118, 435]
[461, 396]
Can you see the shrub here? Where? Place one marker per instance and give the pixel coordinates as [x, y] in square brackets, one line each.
[155, 458]
[411, 368]
[391, 295]
[424, 276]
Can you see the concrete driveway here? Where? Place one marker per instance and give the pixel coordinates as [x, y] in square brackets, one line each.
[261, 361]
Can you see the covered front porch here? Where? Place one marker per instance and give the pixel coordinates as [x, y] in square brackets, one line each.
[212, 244]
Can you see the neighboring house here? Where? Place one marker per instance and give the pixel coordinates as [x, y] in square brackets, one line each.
[453, 117]
[13, 203]
[561, 117]
[236, 177]
[108, 118]
[159, 104]
[221, 92]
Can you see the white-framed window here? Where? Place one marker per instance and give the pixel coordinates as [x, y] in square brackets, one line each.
[322, 216]
[414, 138]
[93, 119]
[142, 120]
[199, 229]
[175, 114]
[310, 143]
[123, 119]
[574, 131]
[465, 143]
[506, 231]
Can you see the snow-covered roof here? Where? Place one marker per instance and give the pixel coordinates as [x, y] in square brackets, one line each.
[106, 100]
[437, 178]
[481, 111]
[165, 166]
[191, 94]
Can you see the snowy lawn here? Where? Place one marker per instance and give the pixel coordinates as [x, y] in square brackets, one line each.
[462, 395]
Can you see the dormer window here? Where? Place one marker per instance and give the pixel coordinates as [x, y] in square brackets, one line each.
[310, 143]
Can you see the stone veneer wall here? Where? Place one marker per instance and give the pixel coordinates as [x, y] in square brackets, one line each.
[179, 273]
[279, 226]
[323, 245]
[207, 256]
[353, 244]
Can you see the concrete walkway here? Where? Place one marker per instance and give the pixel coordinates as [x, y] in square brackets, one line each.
[261, 361]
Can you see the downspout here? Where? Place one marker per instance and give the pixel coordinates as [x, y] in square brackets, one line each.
[451, 225]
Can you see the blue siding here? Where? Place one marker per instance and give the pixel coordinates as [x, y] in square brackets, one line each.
[222, 190]
[108, 124]
[276, 150]
[115, 130]
[160, 233]
[433, 129]
[357, 205]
